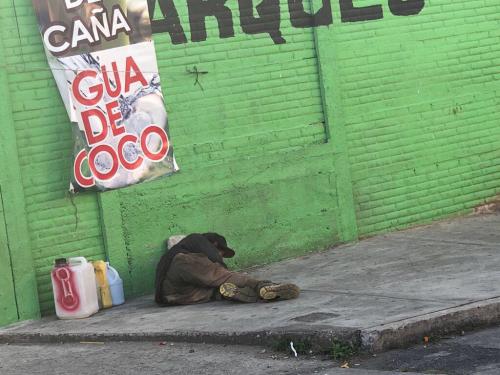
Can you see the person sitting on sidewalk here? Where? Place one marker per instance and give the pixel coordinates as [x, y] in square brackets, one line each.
[193, 271]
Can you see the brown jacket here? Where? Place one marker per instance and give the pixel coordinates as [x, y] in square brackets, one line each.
[193, 278]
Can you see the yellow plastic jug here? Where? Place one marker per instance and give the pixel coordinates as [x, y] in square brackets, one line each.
[102, 283]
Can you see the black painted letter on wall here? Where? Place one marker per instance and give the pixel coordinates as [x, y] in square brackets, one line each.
[406, 7]
[171, 22]
[199, 9]
[268, 21]
[350, 13]
[300, 18]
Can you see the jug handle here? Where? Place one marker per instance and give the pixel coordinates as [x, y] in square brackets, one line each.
[77, 260]
[112, 273]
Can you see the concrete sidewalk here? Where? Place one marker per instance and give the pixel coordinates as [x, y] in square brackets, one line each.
[383, 292]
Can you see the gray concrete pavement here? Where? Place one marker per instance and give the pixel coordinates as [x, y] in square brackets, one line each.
[382, 292]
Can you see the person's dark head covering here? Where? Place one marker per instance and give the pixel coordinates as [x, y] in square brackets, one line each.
[220, 243]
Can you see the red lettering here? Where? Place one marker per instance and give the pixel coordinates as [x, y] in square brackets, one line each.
[117, 156]
[96, 90]
[114, 117]
[89, 133]
[83, 181]
[116, 92]
[148, 131]
[126, 164]
[131, 67]
[114, 167]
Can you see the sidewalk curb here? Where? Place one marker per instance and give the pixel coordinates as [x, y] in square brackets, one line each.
[411, 331]
[320, 339]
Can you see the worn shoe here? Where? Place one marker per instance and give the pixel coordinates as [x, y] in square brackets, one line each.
[279, 292]
[232, 292]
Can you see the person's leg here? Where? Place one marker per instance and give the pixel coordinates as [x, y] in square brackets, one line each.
[191, 278]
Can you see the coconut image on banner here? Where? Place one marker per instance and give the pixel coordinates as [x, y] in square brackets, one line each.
[104, 63]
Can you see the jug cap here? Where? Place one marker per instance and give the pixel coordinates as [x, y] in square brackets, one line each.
[61, 262]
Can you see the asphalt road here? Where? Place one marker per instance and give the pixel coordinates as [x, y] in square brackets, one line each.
[154, 358]
[472, 353]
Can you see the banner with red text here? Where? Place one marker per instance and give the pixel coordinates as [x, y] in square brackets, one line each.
[104, 63]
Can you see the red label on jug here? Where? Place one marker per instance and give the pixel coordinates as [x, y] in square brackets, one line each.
[67, 295]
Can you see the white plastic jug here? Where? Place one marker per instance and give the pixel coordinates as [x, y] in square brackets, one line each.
[115, 286]
[74, 286]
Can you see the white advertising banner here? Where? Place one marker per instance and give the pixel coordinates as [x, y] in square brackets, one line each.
[104, 63]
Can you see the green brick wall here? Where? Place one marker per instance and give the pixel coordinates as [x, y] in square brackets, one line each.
[355, 128]
[421, 102]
